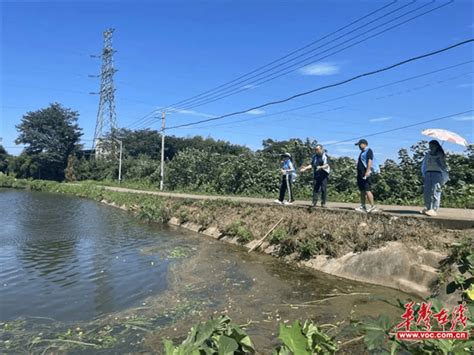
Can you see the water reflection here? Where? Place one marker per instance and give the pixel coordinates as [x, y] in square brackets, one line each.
[70, 258]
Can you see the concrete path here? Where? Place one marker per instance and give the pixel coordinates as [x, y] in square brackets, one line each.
[449, 217]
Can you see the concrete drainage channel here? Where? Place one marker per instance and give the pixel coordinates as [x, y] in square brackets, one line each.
[412, 270]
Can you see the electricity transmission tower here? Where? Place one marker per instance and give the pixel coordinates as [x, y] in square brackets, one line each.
[106, 119]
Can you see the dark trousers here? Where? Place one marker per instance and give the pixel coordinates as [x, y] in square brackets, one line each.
[286, 184]
[320, 184]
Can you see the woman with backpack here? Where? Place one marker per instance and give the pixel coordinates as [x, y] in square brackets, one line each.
[288, 172]
[435, 174]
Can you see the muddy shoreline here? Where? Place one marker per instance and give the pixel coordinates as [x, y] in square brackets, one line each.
[407, 265]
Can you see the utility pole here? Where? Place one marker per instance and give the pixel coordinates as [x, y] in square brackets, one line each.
[162, 165]
[119, 141]
[120, 162]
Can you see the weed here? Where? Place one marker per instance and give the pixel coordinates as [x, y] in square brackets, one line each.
[183, 215]
[178, 253]
[278, 235]
[237, 229]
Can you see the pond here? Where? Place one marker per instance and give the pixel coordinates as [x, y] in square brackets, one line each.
[72, 266]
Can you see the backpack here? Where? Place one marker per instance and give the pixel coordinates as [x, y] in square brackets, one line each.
[375, 165]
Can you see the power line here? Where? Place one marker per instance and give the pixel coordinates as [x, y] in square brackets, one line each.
[340, 97]
[305, 62]
[400, 128]
[232, 90]
[276, 102]
[283, 57]
[310, 115]
[314, 58]
[216, 91]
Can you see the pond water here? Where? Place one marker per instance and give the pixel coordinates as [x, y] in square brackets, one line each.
[70, 263]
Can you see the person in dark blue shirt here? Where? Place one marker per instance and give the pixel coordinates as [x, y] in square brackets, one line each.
[320, 165]
[364, 182]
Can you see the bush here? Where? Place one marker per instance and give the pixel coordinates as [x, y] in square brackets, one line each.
[237, 229]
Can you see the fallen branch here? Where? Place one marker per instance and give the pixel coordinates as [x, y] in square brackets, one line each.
[250, 322]
[334, 295]
[68, 341]
[355, 340]
[260, 242]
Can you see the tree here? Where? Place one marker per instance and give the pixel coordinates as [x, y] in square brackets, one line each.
[3, 159]
[50, 135]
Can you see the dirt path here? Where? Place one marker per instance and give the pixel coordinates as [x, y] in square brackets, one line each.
[450, 217]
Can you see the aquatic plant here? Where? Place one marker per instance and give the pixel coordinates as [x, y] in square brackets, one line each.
[215, 336]
[178, 252]
[305, 340]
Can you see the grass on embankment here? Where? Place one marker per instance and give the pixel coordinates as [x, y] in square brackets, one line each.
[304, 233]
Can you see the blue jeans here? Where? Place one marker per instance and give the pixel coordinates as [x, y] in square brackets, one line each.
[432, 189]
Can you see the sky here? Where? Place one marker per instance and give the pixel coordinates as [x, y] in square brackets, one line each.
[168, 51]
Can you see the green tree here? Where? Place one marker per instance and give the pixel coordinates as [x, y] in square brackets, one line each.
[50, 135]
[3, 159]
[23, 166]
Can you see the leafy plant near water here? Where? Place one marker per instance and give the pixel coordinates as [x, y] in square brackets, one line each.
[237, 229]
[305, 340]
[459, 267]
[278, 235]
[153, 210]
[216, 336]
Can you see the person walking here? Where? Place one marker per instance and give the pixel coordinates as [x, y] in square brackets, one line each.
[435, 174]
[321, 170]
[288, 177]
[365, 167]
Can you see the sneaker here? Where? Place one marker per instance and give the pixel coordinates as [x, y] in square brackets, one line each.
[324, 205]
[423, 211]
[361, 209]
[372, 209]
[278, 202]
[431, 213]
[287, 203]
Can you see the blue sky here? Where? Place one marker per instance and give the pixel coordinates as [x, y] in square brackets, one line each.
[168, 51]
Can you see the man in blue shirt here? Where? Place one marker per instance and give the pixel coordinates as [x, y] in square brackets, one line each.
[364, 169]
[321, 169]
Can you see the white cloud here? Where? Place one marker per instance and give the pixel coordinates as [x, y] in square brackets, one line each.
[322, 68]
[255, 112]
[464, 118]
[380, 119]
[191, 113]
